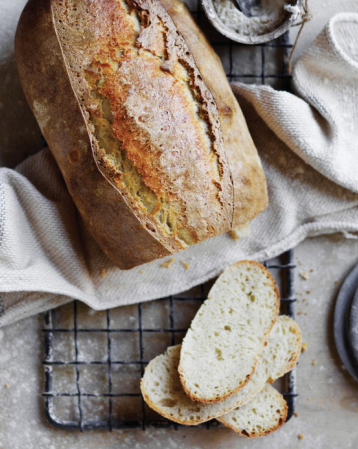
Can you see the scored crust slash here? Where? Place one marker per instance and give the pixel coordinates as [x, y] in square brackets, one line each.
[141, 120]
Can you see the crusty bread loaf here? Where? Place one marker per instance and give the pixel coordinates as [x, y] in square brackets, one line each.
[162, 390]
[262, 415]
[220, 350]
[154, 150]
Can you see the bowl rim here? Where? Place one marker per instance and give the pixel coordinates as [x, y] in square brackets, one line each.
[213, 18]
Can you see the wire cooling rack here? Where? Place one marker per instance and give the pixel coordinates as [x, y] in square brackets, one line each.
[94, 360]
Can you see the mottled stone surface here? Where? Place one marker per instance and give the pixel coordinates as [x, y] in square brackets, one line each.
[328, 403]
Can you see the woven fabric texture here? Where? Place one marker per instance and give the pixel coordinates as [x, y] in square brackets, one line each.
[308, 143]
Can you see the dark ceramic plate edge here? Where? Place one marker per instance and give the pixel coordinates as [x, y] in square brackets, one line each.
[341, 312]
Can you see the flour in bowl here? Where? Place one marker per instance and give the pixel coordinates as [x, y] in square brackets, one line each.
[266, 17]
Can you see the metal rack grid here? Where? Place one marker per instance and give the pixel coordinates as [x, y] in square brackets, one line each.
[285, 269]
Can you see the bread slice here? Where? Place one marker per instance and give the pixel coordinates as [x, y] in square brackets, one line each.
[220, 350]
[162, 390]
[264, 414]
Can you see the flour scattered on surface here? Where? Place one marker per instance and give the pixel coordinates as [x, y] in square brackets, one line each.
[4, 357]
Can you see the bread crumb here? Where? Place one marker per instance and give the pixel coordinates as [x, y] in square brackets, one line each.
[141, 271]
[336, 282]
[185, 264]
[311, 270]
[240, 231]
[304, 347]
[314, 362]
[300, 436]
[299, 313]
[7, 385]
[308, 292]
[304, 275]
[167, 263]
[233, 234]
[103, 272]
[295, 414]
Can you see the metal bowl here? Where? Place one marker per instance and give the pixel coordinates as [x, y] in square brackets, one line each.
[288, 20]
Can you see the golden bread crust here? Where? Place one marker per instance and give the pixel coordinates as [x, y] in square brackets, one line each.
[250, 191]
[160, 133]
[49, 92]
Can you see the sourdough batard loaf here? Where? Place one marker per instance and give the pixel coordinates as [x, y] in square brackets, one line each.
[162, 390]
[220, 351]
[137, 111]
[264, 414]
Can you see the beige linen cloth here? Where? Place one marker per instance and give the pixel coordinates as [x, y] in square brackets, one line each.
[309, 149]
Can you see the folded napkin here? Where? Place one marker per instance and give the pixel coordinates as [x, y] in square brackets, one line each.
[309, 149]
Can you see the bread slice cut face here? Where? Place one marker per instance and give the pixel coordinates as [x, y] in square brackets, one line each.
[264, 414]
[221, 348]
[163, 392]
